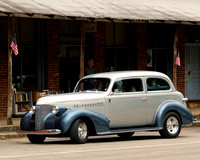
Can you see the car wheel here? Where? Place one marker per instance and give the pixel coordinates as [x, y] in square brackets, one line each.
[171, 126]
[125, 135]
[36, 138]
[79, 132]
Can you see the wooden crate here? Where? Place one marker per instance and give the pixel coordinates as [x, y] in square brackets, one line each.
[36, 96]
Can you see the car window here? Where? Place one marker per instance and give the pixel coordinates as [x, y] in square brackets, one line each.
[128, 85]
[157, 84]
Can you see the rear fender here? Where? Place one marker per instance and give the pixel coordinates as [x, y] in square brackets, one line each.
[185, 114]
[101, 123]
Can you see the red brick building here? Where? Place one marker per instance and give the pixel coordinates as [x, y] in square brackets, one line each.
[49, 52]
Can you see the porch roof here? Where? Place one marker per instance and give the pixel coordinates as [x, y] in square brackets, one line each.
[163, 11]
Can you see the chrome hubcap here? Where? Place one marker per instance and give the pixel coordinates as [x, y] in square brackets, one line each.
[82, 130]
[172, 125]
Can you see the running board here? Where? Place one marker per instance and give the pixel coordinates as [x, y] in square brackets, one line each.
[116, 131]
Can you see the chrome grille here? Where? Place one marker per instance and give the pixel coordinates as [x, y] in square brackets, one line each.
[40, 112]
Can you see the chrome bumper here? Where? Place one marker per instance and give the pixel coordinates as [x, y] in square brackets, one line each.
[41, 132]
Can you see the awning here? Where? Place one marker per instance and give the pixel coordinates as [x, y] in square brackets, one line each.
[167, 11]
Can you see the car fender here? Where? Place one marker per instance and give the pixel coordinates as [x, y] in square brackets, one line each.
[101, 122]
[25, 121]
[49, 121]
[184, 112]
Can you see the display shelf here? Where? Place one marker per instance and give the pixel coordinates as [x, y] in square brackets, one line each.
[22, 102]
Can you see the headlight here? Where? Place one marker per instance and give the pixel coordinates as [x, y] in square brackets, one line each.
[55, 109]
[32, 110]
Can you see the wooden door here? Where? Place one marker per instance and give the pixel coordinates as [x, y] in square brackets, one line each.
[192, 71]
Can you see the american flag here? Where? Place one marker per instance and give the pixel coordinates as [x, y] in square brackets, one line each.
[178, 62]
[14, 47]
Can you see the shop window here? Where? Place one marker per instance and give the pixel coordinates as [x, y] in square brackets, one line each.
[120, 45]
[25, 69]
[160, 41]
[28, 31]
[28, 66]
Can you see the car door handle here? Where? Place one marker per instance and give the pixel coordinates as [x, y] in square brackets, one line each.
[144, 99]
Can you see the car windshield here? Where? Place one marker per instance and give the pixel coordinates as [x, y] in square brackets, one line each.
[93, 84]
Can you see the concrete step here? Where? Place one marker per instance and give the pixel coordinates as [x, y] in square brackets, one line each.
[9, 131]
[9, 128]
[196, 123]
[8, 135]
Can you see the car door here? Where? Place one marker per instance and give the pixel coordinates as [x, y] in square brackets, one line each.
[158, 92]
[127, 103]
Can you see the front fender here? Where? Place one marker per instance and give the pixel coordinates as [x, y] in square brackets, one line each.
[49, 121]
[101, 123]
[25, 123]
[185, 114]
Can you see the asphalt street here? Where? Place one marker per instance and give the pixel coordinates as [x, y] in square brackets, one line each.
[142, 146]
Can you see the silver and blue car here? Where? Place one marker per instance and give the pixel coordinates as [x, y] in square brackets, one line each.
[119, 103]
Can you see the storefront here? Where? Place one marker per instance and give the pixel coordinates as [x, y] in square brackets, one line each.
[53, 50]
[29, 67]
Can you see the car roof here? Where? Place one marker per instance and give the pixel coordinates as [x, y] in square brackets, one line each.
[122, 74]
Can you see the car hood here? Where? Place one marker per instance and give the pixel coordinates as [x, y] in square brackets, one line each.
[72, 100]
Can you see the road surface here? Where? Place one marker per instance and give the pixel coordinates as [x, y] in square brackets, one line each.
[142, 146]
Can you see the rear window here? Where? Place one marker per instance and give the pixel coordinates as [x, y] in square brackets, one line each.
[157, 84]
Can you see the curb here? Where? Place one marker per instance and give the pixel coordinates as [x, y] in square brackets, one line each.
[8, 128]
[194, 124]
[9, 135]
[9, 132]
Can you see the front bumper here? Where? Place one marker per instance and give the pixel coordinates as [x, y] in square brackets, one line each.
[41, 132]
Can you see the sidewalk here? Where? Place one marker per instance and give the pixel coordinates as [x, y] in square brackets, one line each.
[9, 131]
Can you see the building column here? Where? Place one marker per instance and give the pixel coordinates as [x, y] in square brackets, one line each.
[141, 46]
[3, 66]
[180, 71]
[99, 48]
[53, 51]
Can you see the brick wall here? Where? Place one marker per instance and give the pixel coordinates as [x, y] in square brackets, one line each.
[99, 48]
[181, 70]
[53, 51]
[3, 65]
[141, 46]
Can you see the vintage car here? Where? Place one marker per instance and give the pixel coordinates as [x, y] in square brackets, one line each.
[119, 103]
